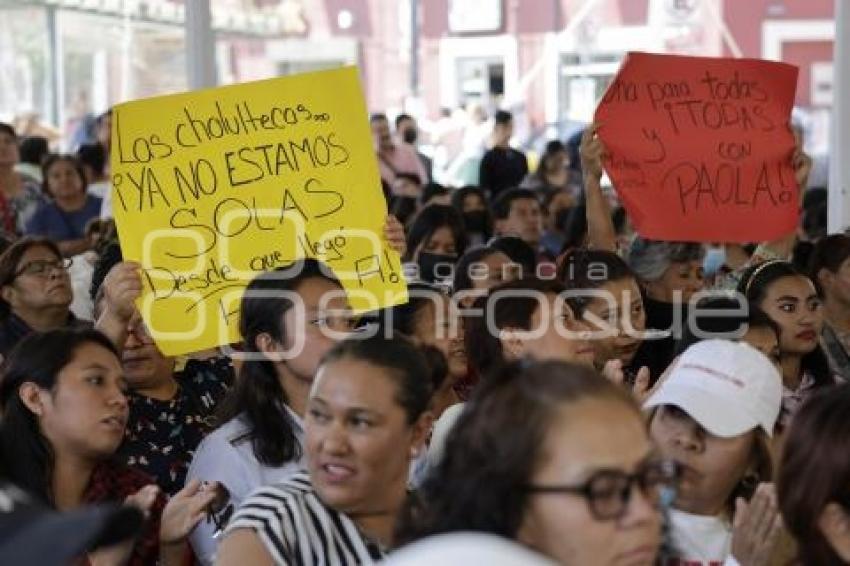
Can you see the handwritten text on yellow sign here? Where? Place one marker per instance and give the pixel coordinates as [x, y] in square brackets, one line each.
[212, 187]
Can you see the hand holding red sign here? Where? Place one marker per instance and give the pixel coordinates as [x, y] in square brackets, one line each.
[699, 149]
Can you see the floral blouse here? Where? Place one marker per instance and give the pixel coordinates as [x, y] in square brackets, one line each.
[17, 211]
[793, 399]
[162, 436]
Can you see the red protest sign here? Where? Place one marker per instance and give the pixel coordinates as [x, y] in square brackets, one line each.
[699, 148]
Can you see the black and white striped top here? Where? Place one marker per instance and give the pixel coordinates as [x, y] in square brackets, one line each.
[298, 529]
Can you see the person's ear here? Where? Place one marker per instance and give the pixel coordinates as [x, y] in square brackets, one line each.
[834, 524]
[268, 346]
[7, 292]
[512, 344]
[499, 227]
[421, 431]
[825, 277]
[31, 396]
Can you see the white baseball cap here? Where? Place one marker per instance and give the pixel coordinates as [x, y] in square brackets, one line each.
[728, 387]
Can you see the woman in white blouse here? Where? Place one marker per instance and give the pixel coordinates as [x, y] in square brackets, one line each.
[261, 439]
[366, 419]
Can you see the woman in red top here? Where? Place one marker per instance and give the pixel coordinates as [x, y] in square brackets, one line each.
[64, 410]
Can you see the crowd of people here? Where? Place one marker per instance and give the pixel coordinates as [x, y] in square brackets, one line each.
[557, 389]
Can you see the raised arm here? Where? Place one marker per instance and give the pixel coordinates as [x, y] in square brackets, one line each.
[601, 234]
[802, 163]
[122, 286]
[781, 248]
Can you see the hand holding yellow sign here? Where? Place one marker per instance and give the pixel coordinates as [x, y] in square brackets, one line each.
[212, 187]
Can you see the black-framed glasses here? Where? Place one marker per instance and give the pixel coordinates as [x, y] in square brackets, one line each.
[43, 267]
[608, 492]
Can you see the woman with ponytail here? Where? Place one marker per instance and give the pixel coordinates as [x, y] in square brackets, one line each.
[287, 324]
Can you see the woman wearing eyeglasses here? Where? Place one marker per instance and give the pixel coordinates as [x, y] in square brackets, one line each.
[260, 439]
[172, 407]
[556, 457]
[35, 291]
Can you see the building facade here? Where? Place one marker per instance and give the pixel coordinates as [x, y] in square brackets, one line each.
[548, 60]
[551, 60]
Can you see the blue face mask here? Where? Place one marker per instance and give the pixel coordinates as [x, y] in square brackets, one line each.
[715, 258]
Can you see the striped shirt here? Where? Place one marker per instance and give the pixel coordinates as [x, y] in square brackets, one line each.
[296, 528]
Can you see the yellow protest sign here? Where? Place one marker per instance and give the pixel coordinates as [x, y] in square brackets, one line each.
[212, 187]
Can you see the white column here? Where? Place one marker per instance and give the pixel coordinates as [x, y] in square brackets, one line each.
[551, 84]
[57, 67]
[200, 45]
[839, 149]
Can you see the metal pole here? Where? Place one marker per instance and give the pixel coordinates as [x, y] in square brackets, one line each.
[728, 38]
[575, 20]
[57, 78]
[414, 48]
[839, 163]
[127, 82]
[200, 45]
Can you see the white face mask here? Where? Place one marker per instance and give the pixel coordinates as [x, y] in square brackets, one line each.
[715, 258]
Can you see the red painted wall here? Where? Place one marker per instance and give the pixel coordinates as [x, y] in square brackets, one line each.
[804, 54]
[633, 12]
[744, 18]
[385, 66]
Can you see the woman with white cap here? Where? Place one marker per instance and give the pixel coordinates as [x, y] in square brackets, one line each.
[714, 415]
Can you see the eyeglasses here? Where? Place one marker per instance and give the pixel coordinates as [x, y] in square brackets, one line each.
[608, 492]
[338, 321]
[43, 267]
